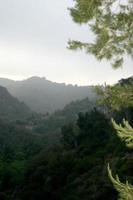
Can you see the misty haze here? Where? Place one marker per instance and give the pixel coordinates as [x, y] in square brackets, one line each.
[66, 100]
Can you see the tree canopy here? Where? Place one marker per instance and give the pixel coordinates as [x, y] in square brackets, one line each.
[112, 24]
[117, 96]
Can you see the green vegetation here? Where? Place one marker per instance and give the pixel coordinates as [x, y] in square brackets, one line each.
[64, 155]
[114, 97]
[76, 168]
[125, 190]
[111, 23]
[10, 108]
[42, 95]
[125, 133]
[54, 122]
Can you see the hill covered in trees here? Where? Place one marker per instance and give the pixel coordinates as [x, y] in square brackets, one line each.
[11, 108]
[54, 122]
[84, 151]
[43, 96]
[65, 155]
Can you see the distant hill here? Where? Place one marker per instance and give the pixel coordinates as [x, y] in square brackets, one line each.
[11, 108]
[53, 123]
[43, 96]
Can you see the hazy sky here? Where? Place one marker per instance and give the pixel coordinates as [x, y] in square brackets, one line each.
[33, 41]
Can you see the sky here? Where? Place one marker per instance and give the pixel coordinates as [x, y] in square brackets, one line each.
[33, 42]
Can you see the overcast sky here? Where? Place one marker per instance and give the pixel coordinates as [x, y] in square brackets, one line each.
[33, 41]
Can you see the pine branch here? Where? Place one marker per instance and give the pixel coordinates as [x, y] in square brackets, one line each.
[125, 190]
[124, 132]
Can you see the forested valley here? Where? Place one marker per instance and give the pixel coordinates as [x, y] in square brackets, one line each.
[61, 141]
[65, 155]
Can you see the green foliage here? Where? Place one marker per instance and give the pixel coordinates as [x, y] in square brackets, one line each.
[10, 108]
[125, 190]
[69, 114]
[94, 124]
[44, 96]
[114, 97]
[111, 22]
[70, 133]
[65, 163]
[125, 132]
[76, 169]
[17, 146]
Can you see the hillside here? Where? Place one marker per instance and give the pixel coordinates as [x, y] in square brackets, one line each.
[11, 108]
[53, 123]
[64, 155]
[43, 96]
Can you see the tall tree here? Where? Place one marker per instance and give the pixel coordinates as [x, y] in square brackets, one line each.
[125, 133]
[111, 21]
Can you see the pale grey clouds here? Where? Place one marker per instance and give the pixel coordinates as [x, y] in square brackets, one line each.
[33, 40]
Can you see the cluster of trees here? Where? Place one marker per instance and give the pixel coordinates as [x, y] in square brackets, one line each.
[93, 146]
[42, 95]
[75, 167]
[27, 174]
[54, 122]
[17, 146]
[112, 24]
[78, 167]
[23, 139]
[114, 98]
[12, 109]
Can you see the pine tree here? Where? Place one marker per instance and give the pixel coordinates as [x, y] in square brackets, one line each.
[117, 96]
[125, 190]
[112, 25]
[124, 132]
[111, 21]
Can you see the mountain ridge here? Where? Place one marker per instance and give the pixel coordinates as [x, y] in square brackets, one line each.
[42, 95]
[11, 108]
[6, 80]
